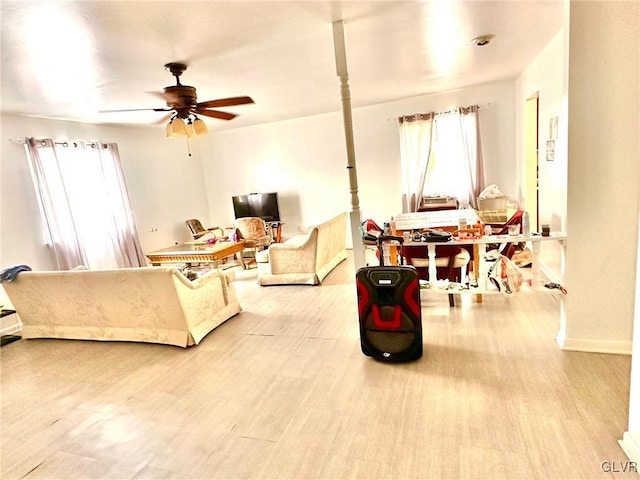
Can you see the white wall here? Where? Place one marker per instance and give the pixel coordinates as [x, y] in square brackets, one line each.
[630, 442]
[588, 77]
[627, 84]
[305, 159]
[602, 196]
[545, 77]
[165, 185]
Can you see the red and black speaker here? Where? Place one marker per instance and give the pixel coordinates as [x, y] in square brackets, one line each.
[389, 310]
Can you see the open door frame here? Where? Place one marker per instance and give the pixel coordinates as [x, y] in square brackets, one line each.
[531, 198]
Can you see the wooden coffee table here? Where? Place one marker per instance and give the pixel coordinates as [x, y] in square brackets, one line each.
[197, 253]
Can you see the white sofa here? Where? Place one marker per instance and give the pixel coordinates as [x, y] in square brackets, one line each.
[148, 304]
[305, 258]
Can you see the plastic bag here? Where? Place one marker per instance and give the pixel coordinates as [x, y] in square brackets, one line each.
[492, 191]
[522, 258]
[505, 275]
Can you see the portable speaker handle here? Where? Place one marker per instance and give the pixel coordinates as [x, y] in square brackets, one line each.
[386, 238]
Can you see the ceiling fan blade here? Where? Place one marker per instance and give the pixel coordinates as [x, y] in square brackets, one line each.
[225, 102]
[165, 109]
[163, 120]
[171, 97]
[215, 114]
[156, 94]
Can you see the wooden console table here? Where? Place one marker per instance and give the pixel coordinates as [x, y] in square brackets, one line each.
[197, 253]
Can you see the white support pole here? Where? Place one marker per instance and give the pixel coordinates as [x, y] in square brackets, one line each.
[343, 75]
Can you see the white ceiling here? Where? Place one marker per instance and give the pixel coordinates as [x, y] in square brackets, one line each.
[69, 60]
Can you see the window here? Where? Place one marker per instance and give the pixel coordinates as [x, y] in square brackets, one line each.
[84, 204]
[441, 156]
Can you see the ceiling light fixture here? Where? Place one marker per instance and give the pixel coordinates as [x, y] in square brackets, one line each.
[185, 124]
[482, 40]
[190, 126]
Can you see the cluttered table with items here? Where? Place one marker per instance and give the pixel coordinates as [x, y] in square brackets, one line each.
[490, 271]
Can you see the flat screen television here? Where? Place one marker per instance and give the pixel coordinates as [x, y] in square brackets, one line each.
[263, 205]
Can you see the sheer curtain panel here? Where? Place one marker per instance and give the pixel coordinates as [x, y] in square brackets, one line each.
[472, 147]
[415, 150]
[85, 206]
[62, 235]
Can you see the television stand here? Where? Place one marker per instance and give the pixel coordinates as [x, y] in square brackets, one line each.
[275, 230]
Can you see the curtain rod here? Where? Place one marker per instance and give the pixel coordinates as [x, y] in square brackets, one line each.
[22, 141]
[433, 115]
[455, 110]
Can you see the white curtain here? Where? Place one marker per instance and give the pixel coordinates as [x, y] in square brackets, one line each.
[445, 177]
[61, 231]
[415, 151]
[472, 149]
[84, 202]
[450, 166]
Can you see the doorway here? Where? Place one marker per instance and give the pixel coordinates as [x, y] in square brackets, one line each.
[531, 193]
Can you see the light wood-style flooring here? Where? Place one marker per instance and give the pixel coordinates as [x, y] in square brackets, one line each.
[282, 391]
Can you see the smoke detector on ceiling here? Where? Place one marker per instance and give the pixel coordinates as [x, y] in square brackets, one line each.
[482, 40]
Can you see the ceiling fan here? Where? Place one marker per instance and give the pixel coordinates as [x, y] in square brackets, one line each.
[182, 102]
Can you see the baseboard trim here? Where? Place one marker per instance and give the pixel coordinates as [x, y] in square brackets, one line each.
[630, 446]
[617, 347]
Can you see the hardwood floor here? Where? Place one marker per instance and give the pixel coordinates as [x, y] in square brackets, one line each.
[282, 391]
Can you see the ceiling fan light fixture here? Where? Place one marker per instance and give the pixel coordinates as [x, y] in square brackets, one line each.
[199, 127]
[190, 126]
[189, 129]
[178, 127]
[169, 131]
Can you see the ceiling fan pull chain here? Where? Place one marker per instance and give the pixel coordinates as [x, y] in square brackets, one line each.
[188, 146]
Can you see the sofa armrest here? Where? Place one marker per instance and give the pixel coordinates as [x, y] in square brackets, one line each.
[205, 281]
[202, 280]
[293, 246]
[298, 254]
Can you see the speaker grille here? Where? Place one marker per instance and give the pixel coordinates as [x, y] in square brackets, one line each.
[391, 341]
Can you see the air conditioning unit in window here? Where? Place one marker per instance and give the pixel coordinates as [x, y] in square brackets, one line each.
[438, 203]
